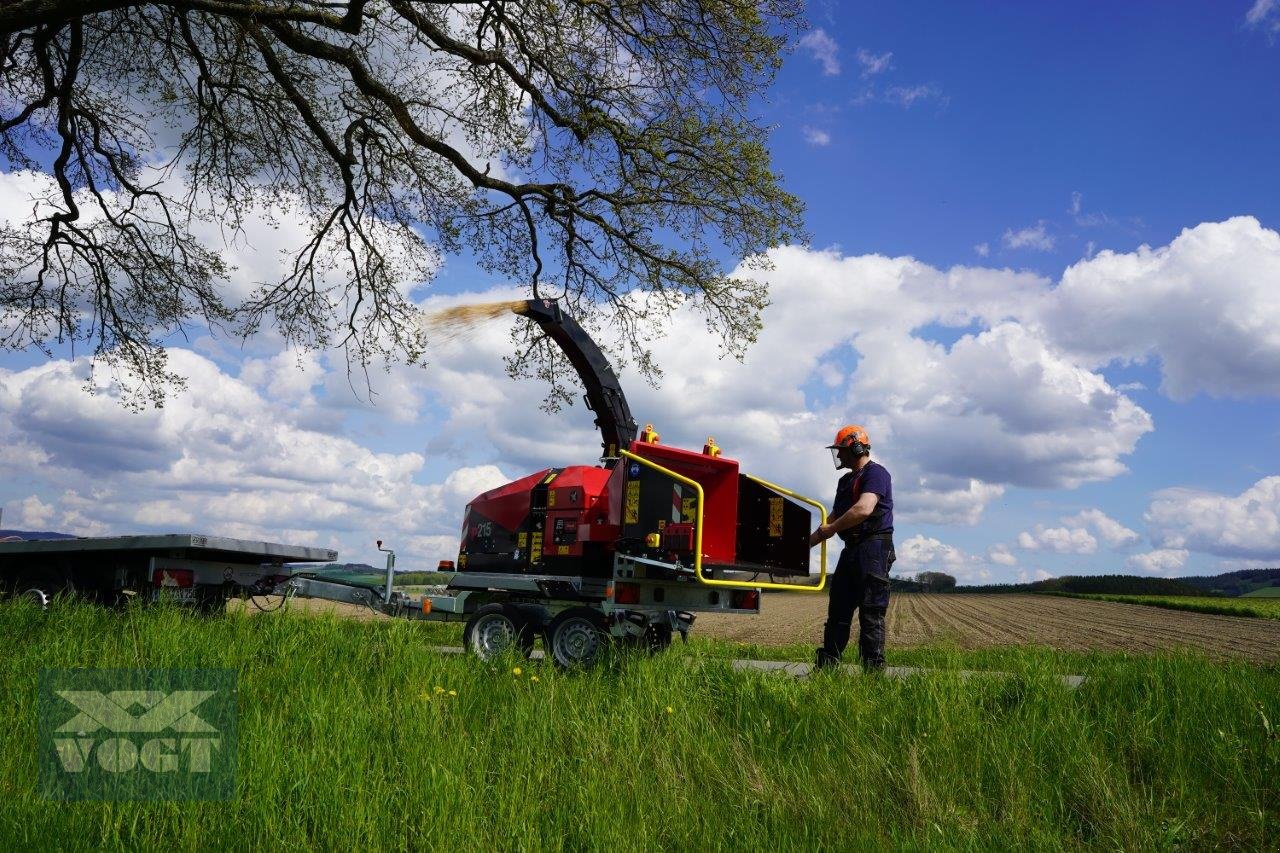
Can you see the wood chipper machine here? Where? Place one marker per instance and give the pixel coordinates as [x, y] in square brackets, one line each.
[628, 550]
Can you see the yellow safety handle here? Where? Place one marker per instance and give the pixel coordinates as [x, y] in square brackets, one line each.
[697, 532]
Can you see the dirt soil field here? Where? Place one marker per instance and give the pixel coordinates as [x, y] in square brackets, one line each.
[977, 621]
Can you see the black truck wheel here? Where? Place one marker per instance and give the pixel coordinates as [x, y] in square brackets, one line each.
[577, 637]
[495, 629]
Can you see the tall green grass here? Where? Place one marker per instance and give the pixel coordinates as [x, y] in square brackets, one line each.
[1260, 607]
[346, 743]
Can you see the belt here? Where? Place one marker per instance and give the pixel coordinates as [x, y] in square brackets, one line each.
[858, 540]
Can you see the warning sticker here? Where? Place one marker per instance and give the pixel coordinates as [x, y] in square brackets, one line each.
[631, 514]
[775, 517]
[522, 539]
[689, 510]
[551, 497]
[535, 553]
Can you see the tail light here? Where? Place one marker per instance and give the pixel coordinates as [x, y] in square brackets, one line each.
[678, 537]
[746, 599]
[181, 578]
[626, 593]
[445, 566]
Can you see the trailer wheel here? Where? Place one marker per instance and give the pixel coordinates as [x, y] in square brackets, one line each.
[576, 637]
[37, 596]
[495, 629]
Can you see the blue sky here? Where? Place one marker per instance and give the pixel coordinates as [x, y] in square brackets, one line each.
[960, 163]
[1160, 115]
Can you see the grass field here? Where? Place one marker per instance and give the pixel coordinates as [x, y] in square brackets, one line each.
[346, 742]
[1262, 607]
[1265, 592]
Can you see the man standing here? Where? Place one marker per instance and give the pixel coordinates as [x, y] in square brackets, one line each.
[862, 516]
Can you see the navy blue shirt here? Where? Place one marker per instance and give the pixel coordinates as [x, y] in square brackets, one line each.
[873, 478]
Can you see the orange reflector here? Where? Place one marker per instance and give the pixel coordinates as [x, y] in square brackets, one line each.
[627, 593]
[445, 566]
[426, 604]
[746, 599]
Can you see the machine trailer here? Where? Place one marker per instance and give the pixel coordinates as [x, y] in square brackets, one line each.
[628, 550]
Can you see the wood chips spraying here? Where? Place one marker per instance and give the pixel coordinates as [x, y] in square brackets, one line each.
[450, 324]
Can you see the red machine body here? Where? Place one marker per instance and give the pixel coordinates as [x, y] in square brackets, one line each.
[572, 521]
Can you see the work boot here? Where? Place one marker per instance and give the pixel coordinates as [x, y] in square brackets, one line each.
[824, 659]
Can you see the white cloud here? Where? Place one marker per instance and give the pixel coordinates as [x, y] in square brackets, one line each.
[1161, 561]
[1023, 414]
[1002, 406]
[1207, 306]
[219, 457]
[1259, 11]
[30, 513]
[907, 96]
[872, 63]
[1246, 525]
[816, 136]
[1260, 15]
[1001, 555]
[1058, 540]
[824, 49]
[982, 250]
[1034, 237]
[1025, 576]
[1115, 534]
[926, 554]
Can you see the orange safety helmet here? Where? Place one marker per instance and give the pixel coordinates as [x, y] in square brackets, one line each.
[850, 436]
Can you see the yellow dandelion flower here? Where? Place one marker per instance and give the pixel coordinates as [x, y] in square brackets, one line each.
[439, 689]
[670, 710]
[515, 670]
[533, 678]
[453, 693]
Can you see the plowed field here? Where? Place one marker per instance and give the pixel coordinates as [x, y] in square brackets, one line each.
[977, 621]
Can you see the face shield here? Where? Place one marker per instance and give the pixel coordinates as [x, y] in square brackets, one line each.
[835, 457]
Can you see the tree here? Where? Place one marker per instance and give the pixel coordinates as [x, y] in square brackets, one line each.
[936, 582]
[600, 152]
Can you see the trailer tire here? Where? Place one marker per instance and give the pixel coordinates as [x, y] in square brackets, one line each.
[36, 596]
[577, 637]
[495, 629]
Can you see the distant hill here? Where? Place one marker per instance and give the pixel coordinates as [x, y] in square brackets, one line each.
[35, 534]
[1254, 582]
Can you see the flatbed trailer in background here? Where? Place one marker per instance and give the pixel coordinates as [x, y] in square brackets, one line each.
[191, 568]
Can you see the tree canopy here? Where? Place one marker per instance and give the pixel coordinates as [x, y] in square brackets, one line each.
[936, 581]
[600, 152]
